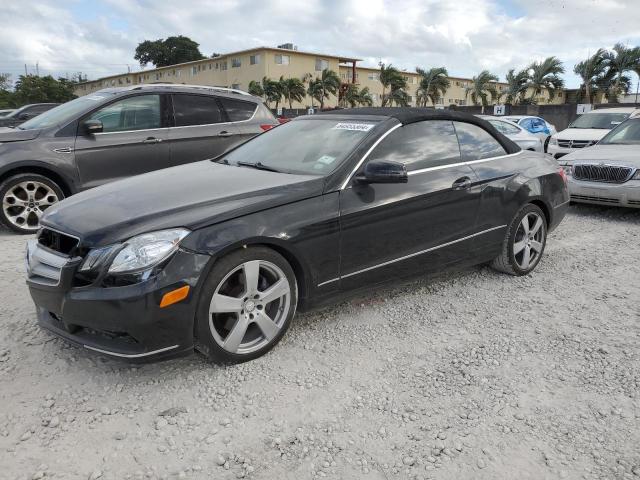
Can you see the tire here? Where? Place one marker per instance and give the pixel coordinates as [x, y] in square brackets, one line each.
[236, 324]
[512, 259]
[24, 199]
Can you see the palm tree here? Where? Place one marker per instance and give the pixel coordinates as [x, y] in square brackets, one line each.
[391, 78]
[434, 84]
[255, 88]
[592, 71]
[328, 84]
[482, 87]
[545, 76]
[619, 61]
[352, 96]
[516, 86]
[272, 91]
[365, 98]
[314, 90]
[292, 89]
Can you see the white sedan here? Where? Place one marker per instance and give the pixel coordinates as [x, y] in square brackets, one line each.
[524, 139]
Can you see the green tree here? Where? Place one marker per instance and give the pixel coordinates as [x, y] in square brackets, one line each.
[545, 75]
[482, 89]
[352, 96]
[593, 72]
[6, 94]
[314, 90]
[292, 89]
[619, 61]
[34, 89]
[255, 88]
[392, 79]
[516, 86]
[326, 84]
[171, 51]
[272, 91]
[434, 84]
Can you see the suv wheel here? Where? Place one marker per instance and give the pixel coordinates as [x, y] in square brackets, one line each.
[524, 243]
[25, 197]
[246, 305]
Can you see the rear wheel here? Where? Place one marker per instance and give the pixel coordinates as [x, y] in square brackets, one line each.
[524, 242]
[246, 305]
[25, 198]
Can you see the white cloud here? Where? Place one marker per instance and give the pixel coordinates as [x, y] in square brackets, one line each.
[465, 36]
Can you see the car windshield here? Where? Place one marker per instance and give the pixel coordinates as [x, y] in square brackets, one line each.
[311, 146]
[626, 134]
[64, 113]
[599, 120]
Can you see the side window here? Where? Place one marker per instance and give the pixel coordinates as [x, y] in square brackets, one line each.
[237, 110]
[420, 145]
[196, 110]
[527, 124]
[476, 143]
[134, 113]
[505, 128]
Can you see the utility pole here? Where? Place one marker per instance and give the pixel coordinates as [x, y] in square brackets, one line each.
[25, 69]
[37, 70]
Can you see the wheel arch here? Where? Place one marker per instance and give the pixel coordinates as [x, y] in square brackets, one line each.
[40, 169]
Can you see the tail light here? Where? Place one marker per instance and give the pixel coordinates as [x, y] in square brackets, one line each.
[266, 127]
[563, 175]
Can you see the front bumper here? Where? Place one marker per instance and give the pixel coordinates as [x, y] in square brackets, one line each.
[125, 322]
[558, 152]
[622, 195]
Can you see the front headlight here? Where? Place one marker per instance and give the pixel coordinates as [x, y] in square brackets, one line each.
[636, 176]
[147, 250]
[567, 169]
[553, 141]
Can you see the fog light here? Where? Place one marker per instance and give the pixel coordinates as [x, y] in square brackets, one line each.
[174, 296]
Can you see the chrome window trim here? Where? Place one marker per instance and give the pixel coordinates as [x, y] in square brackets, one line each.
[458, 164]
[411, 255]
[130, 355]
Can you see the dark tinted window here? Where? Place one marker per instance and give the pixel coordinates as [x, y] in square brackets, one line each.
[477, 143]
[134, 113]
[41, 108]
[196, 110]
[420, 145]
[237, 110]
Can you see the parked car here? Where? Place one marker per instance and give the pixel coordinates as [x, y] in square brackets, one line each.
[536, 126]
[6, 111]
[219, 255]
[22, 114]
[609, 172]
[512, 131]
[587, 129]
[116, 133]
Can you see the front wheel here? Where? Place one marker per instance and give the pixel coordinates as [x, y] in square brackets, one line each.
[25, 197]
[524, 242]
[246, 305]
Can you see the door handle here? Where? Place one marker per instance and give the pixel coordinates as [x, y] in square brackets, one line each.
[152, 140]
[224, 133]
[462, 183]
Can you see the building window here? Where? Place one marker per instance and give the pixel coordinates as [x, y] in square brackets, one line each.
[254, 59]
[235, 62]
[223, 65]
[462, 103]
[321, 64]
[373, 76]
[282, 59]
[194, 70]
[235, 86]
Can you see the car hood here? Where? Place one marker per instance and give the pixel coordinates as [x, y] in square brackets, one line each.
[582, 133]
[17, 135]
[192, 196]
[628, 155]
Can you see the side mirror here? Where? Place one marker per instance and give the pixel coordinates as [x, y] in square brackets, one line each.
[92, 126]
[383, 172]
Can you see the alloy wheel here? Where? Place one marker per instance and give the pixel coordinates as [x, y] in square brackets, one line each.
[529, 241]
[25, 202]
[249, 307]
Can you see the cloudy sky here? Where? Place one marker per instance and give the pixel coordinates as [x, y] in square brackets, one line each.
[99, 37]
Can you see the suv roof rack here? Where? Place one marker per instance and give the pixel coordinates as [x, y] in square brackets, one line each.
[203, 87]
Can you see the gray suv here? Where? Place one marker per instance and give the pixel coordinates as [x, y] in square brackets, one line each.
[116, 133]
[22, 114]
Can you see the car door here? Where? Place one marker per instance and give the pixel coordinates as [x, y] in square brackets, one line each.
[200, 129]
[397, 229]
[132, 141]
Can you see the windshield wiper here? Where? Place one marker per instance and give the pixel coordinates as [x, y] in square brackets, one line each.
[258, 165]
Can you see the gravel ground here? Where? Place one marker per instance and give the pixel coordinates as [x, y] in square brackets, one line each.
[472, 375]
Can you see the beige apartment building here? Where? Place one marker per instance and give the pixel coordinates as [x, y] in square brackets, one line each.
[237, 69]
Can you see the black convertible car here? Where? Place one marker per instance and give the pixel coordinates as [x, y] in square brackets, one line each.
[218, 255]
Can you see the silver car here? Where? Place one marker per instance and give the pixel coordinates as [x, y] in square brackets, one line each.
[524, 139]
[609, 172]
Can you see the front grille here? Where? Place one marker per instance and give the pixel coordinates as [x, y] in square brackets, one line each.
[602, 173]
[44, 266]
[58, 242]
[576, 143]
[589, 198]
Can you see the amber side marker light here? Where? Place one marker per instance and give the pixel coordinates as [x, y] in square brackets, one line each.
[174, 296]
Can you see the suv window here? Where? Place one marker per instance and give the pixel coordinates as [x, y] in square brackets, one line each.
[196, 110]
[237, 110]
[476, 143]
[420, 145]
[134, 113]
[505, 127]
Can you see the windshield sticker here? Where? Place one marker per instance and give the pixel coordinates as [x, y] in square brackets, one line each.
[357, 127]
[326, 159]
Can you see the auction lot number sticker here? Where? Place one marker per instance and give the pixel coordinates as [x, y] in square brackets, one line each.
[357, 127]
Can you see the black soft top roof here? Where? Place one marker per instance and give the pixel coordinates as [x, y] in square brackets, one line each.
[407, 115]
